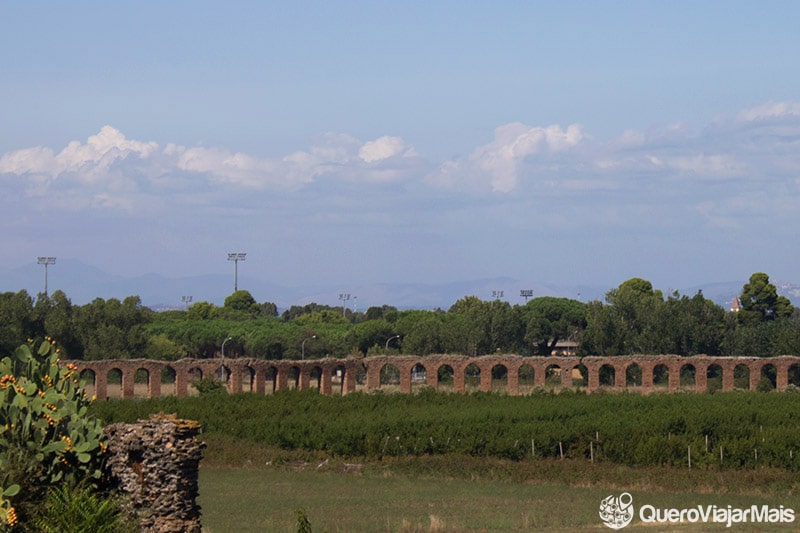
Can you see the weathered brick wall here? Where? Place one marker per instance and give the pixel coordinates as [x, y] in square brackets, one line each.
[155, 464]
[331, 376]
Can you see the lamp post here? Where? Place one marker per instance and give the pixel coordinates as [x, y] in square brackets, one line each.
[344, 296]
[236, 257]
[186, 301]
[303, 346]
[497, 294]
[46, 261]
[526, 293]
[391, 339]
[223, 346]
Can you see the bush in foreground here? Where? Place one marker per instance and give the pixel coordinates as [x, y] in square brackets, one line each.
[48, 437]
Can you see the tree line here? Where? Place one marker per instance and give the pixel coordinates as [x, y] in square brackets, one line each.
[634, 318]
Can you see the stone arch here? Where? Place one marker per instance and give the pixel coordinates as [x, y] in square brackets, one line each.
[793, 375]
[741, 376]
[688, 376]
[552, 375]
[195, 373]
[445, 378]
[714, 377]
[661, 376]
[248, 378]
[419, 377]
[499, 374]
[169, 381]
[472, 378]
[607, 375]
[293, 377]
[633, 376]
[580, 376]
[390, 377]
[526, 377]
[115, 380]
[338, 379]
[89, 377]
[315, 377]
[192, 375]
[270, 379]
[141, 383]
[222, 374]
[768, 377]
[361, 375]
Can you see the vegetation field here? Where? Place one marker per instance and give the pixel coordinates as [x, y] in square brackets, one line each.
[481, 462]
[460, 494]
[713, 431]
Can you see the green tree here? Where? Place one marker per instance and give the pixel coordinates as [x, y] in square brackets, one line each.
[421, 331]
[202, 311]
[54, 316]
[367, 334]
[110, 329]
[16, 320]
[549, 320]
[636, 305]
[268, 309]
[760, 301]
[604, 334]
[242, 300]
[385, 312]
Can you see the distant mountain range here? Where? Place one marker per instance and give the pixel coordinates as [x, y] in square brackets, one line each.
[83, 283]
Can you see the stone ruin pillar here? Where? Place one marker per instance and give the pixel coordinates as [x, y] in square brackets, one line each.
[154, 463]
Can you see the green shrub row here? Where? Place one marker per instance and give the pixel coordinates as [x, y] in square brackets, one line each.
[751, 429]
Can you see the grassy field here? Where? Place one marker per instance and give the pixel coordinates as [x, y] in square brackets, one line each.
[439, 462]
[264, 491]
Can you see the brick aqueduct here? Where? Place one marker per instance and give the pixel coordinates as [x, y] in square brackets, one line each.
[511, 374]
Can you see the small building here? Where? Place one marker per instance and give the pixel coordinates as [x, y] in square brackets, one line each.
[565, 348]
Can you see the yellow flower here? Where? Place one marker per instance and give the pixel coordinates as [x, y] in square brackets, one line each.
[11, 516]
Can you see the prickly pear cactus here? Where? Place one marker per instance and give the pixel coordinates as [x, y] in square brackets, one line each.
[46, 434]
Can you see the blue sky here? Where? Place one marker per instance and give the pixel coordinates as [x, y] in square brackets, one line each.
[362, 142]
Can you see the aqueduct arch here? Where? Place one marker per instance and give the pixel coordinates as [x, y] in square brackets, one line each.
[512, 374]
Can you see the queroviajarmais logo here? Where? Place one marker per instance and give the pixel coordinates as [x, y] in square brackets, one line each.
[616, 512]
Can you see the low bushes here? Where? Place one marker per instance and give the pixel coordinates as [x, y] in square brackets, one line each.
[750, 429]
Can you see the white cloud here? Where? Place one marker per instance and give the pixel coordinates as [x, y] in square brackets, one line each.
[384, 148]
[108, 166]
[709, 166]
[109, 170]
[497, 163]
[769, 111]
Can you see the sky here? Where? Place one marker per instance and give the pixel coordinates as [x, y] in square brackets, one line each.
[377, 141]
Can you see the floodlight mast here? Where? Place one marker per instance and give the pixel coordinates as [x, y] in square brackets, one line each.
[344, 296]
[526, 293]
[186, 301]
[497, 294]
[46, 261]
[236, 257]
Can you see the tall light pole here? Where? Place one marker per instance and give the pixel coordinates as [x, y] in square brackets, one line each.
[223, 346]
[497, 294]
[344, 296]
[391, 339]
[526, 293]
[303, 346]
[236, 257]
[186, 301]
[46, 261]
